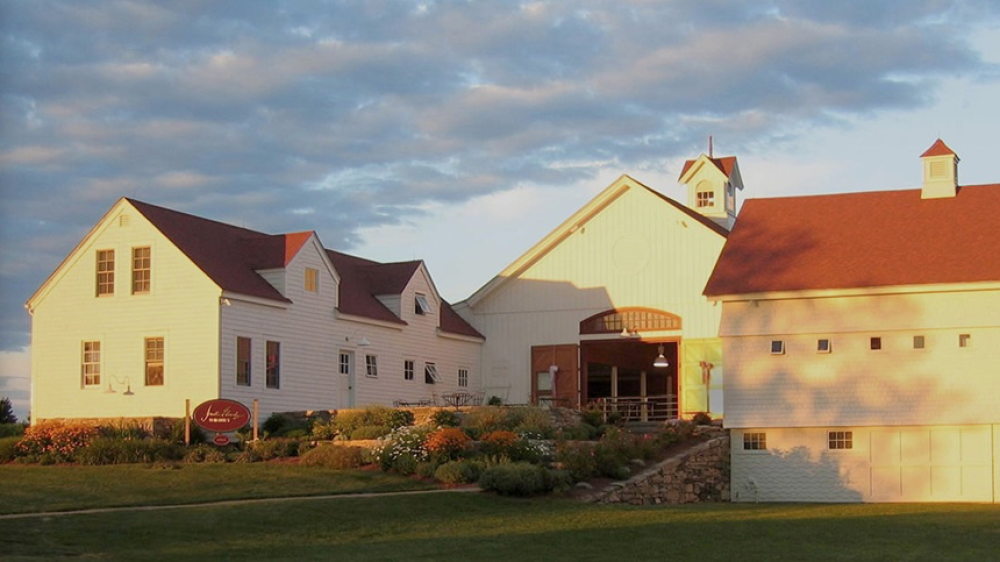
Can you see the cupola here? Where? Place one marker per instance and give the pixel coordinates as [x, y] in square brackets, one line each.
[940, 165]
[711, 184]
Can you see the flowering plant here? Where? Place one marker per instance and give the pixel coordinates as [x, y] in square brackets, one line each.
[402, 448]
[447, 443]
[55, 441]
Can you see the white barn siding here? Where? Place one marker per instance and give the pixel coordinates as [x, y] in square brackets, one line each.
[182, 307]
[637, 251]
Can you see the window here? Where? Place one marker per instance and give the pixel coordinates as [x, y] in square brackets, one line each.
[422, 306]
[371, 366]
[243, 361]
[918, 342]
[705, 199]
[105, 272]
[408, 370]
[823, 346]
[431, 374]
[345, 363]
[754, 441]
[272, 368]
[90, 366]
[841, 439]
[141, 268]
[312, 280]
[875, 344]
[964, 340]
[777, 347]
[463, 377]
[154, 361]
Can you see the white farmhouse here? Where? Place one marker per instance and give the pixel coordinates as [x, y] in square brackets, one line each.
[155, 307]
[862, 340]
[608, 306]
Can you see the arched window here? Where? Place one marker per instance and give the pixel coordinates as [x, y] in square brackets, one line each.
[630, 319]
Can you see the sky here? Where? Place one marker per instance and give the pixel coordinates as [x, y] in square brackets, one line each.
[459, 132]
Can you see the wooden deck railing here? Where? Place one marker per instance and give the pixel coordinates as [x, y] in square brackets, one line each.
[639, 408]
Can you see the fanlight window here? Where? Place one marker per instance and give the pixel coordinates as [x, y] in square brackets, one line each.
[630, 320]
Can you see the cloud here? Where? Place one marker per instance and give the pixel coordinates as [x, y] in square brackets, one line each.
[366, 113]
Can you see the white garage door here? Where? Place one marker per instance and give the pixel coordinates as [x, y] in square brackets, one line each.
[937, 464]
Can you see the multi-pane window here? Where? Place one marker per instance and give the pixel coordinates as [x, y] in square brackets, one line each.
[243, 361]
[875, 343]
[463, 377]
[841, 439]
[154, 361]
[754, 441]
[964, 340]
[141, 269]
[105, 272]
[918, 342]
[705, 199]
[90, 366]
[312, 280]
[272, 372]
[345, 363]
[408, 370]
[431, 373]
[371, 366]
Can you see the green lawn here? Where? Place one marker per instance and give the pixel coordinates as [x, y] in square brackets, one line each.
[448, 526]
[32, 488]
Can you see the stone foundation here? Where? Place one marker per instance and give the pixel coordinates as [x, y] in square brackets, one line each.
[698, 475]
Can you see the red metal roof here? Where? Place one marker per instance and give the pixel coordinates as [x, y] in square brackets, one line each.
[724, 164]
[939, 148]
[231, 257]
[859, 240]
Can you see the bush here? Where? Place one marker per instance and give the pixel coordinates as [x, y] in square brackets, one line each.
[12, 429]
[268, 449]
[177, 432]
[515, 479]
[405, 464]
[402, 442]
[346, 422]
[458, 472]
[445, 418]
[123, 430]
[111, 450]
[447, 443]
[335, 457]
[370, 432]
[205, 453]
[582, 432]
[510, 446]
[323, 430]
[702, 418]
[676, 431]
[592, 415]
[530, 421]
[577, 459]
[8, 448]
[52, 442]
[494, 401]
[426, 469]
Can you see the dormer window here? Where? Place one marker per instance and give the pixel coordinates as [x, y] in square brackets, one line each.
[422, 305]
[705, 199]
[312, 280]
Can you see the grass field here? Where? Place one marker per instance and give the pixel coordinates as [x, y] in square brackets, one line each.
[484, 527]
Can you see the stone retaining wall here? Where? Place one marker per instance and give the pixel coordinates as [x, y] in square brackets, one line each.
[698, 475]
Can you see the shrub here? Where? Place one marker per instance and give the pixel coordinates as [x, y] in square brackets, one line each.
[404, 441]
[177, 433]
[528, 420]
[111, 450]
[582, 432]
[53, 442]
[487, 419]
[592, 415]
[577, 459]
[346, 422]
[514, 479]
[8, 448]
[205, 453]
[426, 469]
[447, 443]
[405, 464]
[508, 445]
[458, 472]
[533, 423]
[370, 432]
[498, 443]
[12, 429]
[445, 418]
[335, 457]
[268, 449]
[494, 401]
[676, 431]
[124, 430]
[323, 430]
[702, 418]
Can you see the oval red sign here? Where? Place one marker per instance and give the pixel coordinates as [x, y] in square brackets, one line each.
[221, 415]
[221, 439]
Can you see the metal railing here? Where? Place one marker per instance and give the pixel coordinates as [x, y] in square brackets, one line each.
[638, 408]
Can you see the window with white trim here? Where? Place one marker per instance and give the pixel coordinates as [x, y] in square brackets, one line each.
[90, 364]
[841, 439]
[242, 361]
[463, 377]
[754, 441]
[154, 361]
[142, 264]
[272, 366]
[312, 280]
[918, 342]
[875, 343]
[965, 340]
[421, 305]
[777, 347]
[705, 199]
[823, 346]
[431, 374]
[371, 366]
[408, 370]
[345, 363]
[105, 273]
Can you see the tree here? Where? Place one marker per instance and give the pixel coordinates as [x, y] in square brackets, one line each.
[7, 411]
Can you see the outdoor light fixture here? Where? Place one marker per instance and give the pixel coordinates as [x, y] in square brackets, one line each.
[362, 342]
[127, 383]
[661, 360]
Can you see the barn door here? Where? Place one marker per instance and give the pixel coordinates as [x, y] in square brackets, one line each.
[555, 375]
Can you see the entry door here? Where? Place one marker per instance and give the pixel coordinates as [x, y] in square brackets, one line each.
[562, 384]
[348, 380]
